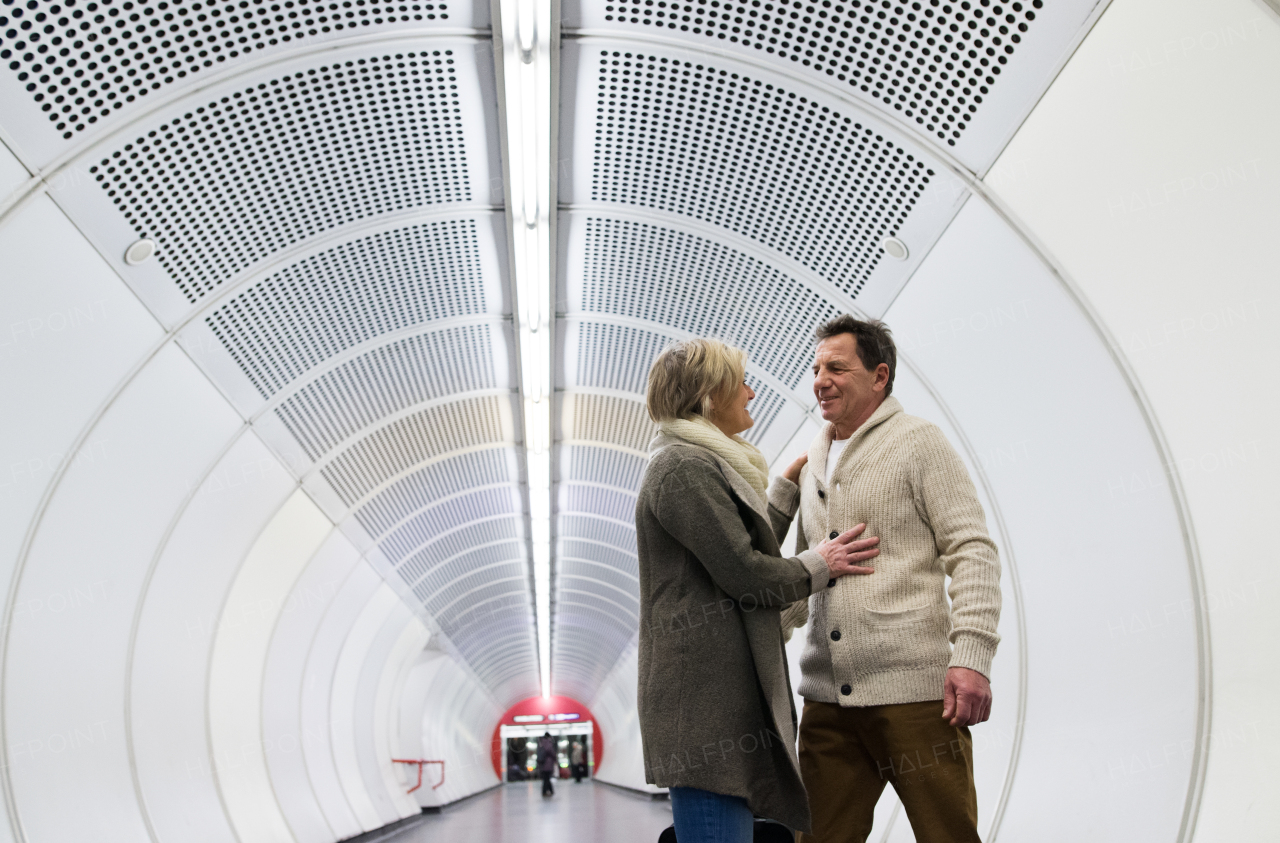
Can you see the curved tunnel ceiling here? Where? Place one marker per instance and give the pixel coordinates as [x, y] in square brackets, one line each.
[324, 184]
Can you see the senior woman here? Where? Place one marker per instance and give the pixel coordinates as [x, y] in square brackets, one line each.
[716, 712]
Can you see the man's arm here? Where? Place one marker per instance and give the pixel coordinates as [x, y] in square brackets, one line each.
[948, 501]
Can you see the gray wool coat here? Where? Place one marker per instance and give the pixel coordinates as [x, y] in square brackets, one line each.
[714, 695]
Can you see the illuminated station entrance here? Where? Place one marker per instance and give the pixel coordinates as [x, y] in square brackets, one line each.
[579, 744]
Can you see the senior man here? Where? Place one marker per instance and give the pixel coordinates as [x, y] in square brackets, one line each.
[891, 676]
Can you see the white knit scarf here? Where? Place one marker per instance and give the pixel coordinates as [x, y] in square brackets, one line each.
[740, 454]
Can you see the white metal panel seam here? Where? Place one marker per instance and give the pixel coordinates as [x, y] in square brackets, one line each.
[383, 422]
[311, 646]
[418, 466]
[412, 639]
[811, 80]
[364, 626]
[68, 158]
[469, 490]
[323, 368]
[137, 619]
[1204, 654]
[726, 237]
[20, 564]
[208, 678]
[388, 671]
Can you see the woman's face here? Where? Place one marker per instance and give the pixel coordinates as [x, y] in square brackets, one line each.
[731, 415]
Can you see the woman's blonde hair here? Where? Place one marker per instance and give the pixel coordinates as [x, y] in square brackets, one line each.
[688, 375]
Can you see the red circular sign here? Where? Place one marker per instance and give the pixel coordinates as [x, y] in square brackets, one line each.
[547, 708]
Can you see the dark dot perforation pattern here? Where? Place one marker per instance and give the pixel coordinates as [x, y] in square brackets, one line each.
[81, 61]
[608, 557]
[445, 517]
[603, 558]
[486, 566]
[764, 409]
[606, 466]
[590, 568]
[233, 181]
[590, 633]
[618, 357]
[647, 272]
[599, 531]
[424, 487]
[495, 635]
[759, 160]
[589, 638]
[591, 628]
[304, 314]
[451, 547]
[411, 440]
[501, 572]
[930, 60]
[610, 503]
[608, 418]
[387, 380]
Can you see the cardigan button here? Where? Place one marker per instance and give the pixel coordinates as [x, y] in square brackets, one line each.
[821, 494]
[835, 635]
[846, 690]
[834, 535]
[831, 583]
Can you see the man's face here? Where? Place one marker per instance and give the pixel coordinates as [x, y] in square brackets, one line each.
[846, 390]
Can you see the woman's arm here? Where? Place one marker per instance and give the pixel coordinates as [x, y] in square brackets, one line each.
[784, 499]
[693, 503]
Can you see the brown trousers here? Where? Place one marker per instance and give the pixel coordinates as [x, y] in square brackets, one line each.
[847, 755]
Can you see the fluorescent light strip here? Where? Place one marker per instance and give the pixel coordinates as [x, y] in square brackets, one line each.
[526, 66]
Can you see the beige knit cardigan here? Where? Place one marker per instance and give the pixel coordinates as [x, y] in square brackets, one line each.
[887, 637]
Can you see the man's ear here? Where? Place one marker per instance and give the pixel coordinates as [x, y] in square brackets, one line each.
[882, 376]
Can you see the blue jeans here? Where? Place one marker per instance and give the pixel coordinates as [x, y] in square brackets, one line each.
[705, 817]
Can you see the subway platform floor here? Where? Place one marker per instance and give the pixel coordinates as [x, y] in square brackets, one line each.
[517, 813]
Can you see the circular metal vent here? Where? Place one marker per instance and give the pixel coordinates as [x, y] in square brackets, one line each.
[82, 60]
[933, 61]
[232, 182]
[772, 165]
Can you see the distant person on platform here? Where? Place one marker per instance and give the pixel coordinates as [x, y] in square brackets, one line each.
[891, 677]
[715, 703]
[547, 763]
[577, 760]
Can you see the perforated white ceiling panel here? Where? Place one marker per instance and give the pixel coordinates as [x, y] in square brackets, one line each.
[963, 74]
[255, 170]
[77, 68]
[329, 252]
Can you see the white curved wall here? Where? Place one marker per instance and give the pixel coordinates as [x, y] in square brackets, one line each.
[1166, 222]
[456, 725]
[163, 559]
[63, 716]
[615, 711]
[177, 621]
[239, 660]
[300, 792]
